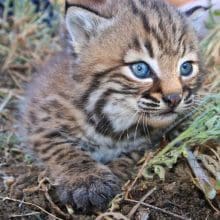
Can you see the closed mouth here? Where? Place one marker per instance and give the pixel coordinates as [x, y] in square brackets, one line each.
[161, 114]
[168, 112]
[161, 119]
[164, 115]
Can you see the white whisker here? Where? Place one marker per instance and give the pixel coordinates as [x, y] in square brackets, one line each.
[135, 133]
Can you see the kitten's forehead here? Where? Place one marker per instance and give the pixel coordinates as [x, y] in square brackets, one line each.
[154, 23]
[162, 26]
[145, 27]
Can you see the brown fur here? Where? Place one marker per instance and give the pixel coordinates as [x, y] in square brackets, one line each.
[105, 8]
[86, 109]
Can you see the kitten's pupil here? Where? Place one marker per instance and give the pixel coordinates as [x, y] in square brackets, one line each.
[186, 68]
[139, 67]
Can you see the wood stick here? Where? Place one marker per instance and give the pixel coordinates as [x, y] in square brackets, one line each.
[31, 204]
[134, 209]
[202, 178]
[5, 102]
[158, 209]
[148, 157]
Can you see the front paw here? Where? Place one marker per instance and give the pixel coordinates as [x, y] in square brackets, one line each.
[91, 192]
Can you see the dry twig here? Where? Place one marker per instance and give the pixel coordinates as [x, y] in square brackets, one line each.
[202, 178]
[207, 199]
[30, 204]
[134, 209]
[5, 102]
[15, 92]
[158, 209]
[43, 187]
[148, 157]
[54, 206]
[116, 215]
[25, 215]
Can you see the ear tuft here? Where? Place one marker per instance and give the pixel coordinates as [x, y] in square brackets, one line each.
[82, 25]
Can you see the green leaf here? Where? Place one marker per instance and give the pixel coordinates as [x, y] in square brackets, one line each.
[160, 171]
[216, 12]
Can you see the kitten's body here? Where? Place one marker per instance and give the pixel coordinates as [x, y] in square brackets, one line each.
[50, 105]
[86, 108]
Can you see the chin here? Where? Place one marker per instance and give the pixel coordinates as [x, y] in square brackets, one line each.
[161, 121]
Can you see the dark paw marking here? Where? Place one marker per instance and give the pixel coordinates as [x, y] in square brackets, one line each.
[93, 193]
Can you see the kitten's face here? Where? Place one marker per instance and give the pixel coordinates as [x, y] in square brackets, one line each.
[150, 65]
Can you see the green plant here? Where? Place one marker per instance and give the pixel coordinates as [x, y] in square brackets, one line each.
[205, 126]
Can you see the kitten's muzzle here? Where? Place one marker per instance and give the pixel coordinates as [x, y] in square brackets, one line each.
[172, 100]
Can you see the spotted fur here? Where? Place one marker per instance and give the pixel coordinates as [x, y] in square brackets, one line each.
[85, 108]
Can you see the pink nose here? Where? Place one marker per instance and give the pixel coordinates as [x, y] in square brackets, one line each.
[172, 100]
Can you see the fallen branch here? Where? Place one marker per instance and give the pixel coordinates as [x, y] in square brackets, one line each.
[5, 102]
[208, 200]
[158, 209]
[25, 215]
[202, 178]
[134, 209]
[116, 215]
[140, 172]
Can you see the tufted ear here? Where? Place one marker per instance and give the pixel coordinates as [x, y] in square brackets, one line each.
[105, 8]
[198, 13]
[83, 25]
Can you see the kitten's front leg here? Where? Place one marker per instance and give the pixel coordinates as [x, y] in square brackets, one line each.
[81, 181]
[124, 167]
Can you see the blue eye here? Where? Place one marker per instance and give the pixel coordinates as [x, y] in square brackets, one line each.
[186, 69]
[141, 70]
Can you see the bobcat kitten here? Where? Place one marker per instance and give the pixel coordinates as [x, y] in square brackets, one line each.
[121, 75]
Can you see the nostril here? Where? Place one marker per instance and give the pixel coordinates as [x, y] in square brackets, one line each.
[172, 100]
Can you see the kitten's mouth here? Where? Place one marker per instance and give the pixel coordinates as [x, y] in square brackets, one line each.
[167, 112]
[162, 119]
[166, 115]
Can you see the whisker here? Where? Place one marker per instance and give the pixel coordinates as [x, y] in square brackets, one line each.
[135, 134]
[132, 116]
[143, 124]
[148, 132]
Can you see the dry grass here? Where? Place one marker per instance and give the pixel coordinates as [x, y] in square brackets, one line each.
[25, 40]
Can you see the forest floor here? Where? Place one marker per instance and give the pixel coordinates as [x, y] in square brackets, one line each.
[25, 191]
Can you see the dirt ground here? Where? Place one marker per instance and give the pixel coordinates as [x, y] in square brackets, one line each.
[24, 196]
